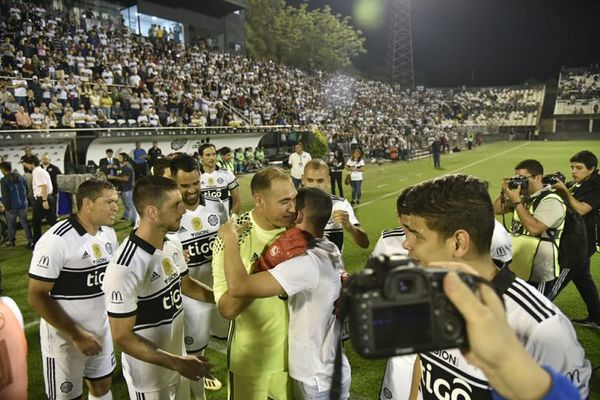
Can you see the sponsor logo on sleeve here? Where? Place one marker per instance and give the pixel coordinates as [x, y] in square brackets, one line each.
[43, 262]
[116, 297]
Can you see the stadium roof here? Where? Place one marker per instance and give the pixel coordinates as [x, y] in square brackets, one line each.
[214, 8]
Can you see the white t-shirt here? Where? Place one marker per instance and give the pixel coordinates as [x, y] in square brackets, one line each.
[544, 331]
[21, 87]
[335, 232]
[313, 283]
[76, 262]
[40, 177]
[144, 281]
[297, 162]
[218, 185]
[356, 175]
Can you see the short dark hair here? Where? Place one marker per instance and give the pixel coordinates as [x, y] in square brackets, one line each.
[316, 205]
[261, 181]
[224, 150]
[587, 158]
[151, 190]
[160, 166]
[534, 167]
[34, 160]
[125, 157]
[185, 163]
[450, 203]
[6, 166]
[109, 151]
[316, 164]
[205, 146]
[91, 189]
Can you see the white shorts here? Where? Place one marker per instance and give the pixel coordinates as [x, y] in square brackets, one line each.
[181, 391]
[197, 321]
[64, 374]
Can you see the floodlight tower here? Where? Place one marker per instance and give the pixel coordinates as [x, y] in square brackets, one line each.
[400, 52]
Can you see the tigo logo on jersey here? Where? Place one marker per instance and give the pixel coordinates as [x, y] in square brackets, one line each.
[197, 224]
[97, 250]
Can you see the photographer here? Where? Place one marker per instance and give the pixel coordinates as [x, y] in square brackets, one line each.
[583, 195]
[451, 219]
[537, 212]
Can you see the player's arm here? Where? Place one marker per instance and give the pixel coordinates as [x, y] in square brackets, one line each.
[196, 290]
[38, 296]
[236, 198]
[358, 235]
[136, 346]
[239, 283]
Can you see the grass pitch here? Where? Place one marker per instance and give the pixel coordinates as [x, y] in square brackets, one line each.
[381, 187]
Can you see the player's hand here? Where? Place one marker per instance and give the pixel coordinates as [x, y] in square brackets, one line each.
[86, 342]
[560, 186]
[231, 230]
[340, 217]
[186, 256]
[193, 367]
[45, 205]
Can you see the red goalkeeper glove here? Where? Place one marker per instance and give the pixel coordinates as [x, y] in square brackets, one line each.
[290, 244]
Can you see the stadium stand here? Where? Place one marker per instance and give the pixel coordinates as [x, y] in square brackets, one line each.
[578, 91]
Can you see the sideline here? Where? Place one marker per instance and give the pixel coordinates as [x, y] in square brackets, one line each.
[397, 192]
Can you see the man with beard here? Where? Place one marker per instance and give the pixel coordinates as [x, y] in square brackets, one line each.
[65, 279]
[197, 233]
[258, 340]
[143, 285]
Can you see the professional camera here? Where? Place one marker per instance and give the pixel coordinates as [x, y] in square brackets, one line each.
[396, 308]
[518, 181]
[551, 179]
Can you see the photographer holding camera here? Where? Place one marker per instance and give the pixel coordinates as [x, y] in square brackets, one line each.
[451, 219]
[583, 195]
[538, 220]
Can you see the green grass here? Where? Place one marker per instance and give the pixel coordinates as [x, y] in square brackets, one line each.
[380, 189]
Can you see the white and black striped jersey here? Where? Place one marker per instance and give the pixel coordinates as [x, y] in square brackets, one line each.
[197, 233]
[218, 185]
[390, 242]
[335, 232]
[544, 331]
[145, 282]
[75, 262]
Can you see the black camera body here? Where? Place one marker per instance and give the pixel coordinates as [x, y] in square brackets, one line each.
[397, 308]
[518, 181]
[553, 178]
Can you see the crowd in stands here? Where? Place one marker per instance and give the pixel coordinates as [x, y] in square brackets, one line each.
[579, 91]
[60, 72]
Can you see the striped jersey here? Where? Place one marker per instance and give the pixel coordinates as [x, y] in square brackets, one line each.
[75, 262]
[197, 233]
[335, 232]
[218, 185]
[544, 331]
[145, 282]
[390, 242]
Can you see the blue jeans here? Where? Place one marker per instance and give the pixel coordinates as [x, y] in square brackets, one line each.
[11, 223]
[130, 212]
[303, 391]
[356, 190]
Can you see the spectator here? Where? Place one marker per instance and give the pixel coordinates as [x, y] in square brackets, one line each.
[126, 178]
[109, 165]
[53, 171]
[14, 201]
[44, 205]
[297, 160]
[140, 165]
[356, 166]
[23, 119]
[28, 158]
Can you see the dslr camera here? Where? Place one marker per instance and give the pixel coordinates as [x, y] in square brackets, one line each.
[396, 307]
[553, 178]
[518, 181]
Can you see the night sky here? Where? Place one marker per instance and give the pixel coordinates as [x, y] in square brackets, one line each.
[487, 42]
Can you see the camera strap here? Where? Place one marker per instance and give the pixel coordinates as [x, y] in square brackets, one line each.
[503, 279]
